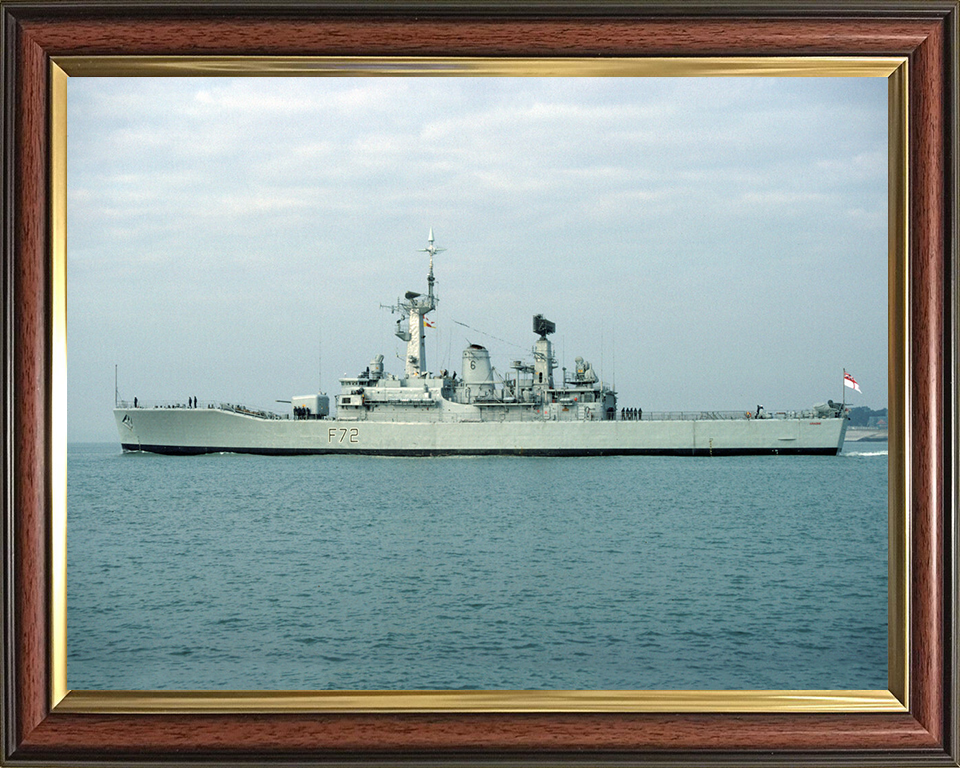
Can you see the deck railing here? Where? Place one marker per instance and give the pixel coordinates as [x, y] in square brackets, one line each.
[202, 405]
[710, 415]
[646, 415]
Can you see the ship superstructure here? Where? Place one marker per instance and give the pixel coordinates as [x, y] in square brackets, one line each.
[479, 411]
[479, 393]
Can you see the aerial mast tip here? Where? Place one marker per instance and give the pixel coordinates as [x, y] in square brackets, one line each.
[433, 251]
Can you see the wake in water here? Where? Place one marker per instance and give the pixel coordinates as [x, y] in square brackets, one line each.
[864, 453]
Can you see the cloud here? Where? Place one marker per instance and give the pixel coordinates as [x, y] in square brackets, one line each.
[696, 216]
[862, 166]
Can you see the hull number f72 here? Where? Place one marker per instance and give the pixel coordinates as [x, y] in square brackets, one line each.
[339, 435]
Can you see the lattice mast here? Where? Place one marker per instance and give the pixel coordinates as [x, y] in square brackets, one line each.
[415, 306]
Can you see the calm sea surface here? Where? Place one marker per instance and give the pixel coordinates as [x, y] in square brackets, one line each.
[248, 572]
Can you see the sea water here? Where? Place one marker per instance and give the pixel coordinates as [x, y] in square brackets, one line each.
[350, 572]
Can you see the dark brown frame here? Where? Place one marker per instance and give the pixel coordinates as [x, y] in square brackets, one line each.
[925, 32]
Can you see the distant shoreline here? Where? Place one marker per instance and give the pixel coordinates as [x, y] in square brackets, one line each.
[866, 435]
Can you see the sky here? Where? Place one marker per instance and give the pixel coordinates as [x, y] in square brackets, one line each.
[706, 243]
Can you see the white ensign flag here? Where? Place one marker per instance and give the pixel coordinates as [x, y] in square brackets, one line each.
[849, 381]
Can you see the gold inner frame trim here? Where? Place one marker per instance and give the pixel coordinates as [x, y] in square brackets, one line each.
[413, 66]
[899, 395]
[229, 702]
[58, 389]
[895, 69]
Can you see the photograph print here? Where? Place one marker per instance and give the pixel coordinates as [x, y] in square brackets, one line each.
[477, 383]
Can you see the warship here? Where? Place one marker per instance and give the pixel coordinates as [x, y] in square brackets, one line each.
[523, 411]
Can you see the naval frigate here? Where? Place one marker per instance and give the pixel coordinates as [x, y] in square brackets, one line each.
[523, 411]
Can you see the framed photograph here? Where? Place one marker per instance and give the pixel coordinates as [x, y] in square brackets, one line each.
[361, 705]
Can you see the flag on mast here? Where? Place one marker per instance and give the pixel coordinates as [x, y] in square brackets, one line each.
[849, 381]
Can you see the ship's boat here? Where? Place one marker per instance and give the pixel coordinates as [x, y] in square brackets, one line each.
[524, 412]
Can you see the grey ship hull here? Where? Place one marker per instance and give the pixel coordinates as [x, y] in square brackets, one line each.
[483, 412]
[186, 431]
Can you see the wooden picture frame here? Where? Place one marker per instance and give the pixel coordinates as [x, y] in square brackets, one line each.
[39, 730]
